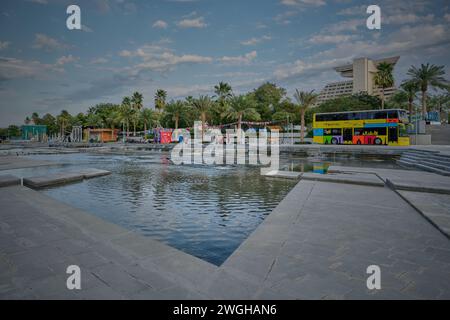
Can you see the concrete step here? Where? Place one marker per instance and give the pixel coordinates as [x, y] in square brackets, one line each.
[420, 159]
[435, 154]
[428, 157]
[425, 167]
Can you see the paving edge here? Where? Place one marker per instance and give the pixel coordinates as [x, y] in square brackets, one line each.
[344, 181]
[392, 187]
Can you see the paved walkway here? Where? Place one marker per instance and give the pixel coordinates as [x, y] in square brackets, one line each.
[316, 244]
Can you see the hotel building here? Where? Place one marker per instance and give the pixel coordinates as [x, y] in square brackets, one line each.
[361, 72]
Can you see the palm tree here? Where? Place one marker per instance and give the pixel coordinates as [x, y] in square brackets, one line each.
[304, 101]
[148, 118]
[35, 118]
[27, 120]
[410, 88]
[223, 90]
[242, 107]
[427, 75]
[136, 104]
[160, 99]
[176, 110]
[126, 113]
[203, 105]
[384, 78]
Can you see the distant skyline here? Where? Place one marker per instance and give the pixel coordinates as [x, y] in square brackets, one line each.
[188, 46]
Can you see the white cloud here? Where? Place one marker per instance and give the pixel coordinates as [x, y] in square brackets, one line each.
[12, 68]
[243, 59]
[47, 43]
[447, 17]
[397, 19]
[99, 61]
[4, 45]
[66, 59]
[254, 40]
[160, 24]
[192, 23]
[326, 39]
[312, 3]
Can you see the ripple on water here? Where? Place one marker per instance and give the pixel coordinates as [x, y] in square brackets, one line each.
[204, 211]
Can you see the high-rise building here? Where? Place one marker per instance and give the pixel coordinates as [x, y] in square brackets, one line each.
[361, 72]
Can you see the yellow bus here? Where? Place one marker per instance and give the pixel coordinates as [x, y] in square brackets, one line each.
[376, 127]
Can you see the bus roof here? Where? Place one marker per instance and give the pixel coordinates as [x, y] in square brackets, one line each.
[358, 111]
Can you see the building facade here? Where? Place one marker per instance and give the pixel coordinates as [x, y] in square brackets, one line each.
[361, 72]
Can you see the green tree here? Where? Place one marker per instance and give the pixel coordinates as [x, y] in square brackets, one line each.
[427, 76]
[136, 104]
[410, 88]
[384, 78]
[242, 107]
[35, 118]
[304, 101]
[203, 106]
[50, 121]
[223, 91]
[149, 119]
[27, 120]
[126, 114]
[175, 110]
[64, 121]
[13, 131]
[160, 99]
[268, 96]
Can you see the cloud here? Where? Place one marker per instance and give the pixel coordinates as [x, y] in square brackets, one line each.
[157, 57]
[99, 61]
[397, 19]
[47, 43]
[12, 68]
[243, 59]
[39, 1]
[66, 59]
[303, 3]
[254, 41]
[192, 23]
[405, 40]
[447, 17]
[327, 39]
[160, 24]
[4, 45]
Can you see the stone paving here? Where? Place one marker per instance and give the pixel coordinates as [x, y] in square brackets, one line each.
[316, 244]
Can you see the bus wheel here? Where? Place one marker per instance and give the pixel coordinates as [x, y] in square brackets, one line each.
[334, 141]
[358, 142]
[377, 141]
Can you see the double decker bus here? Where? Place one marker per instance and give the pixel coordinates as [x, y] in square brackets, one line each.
[376, 127]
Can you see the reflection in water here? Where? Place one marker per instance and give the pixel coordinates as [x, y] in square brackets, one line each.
[205, 211]
[202, 210]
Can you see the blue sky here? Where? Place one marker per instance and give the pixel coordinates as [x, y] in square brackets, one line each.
[188, 46]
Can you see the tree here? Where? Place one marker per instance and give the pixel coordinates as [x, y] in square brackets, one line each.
[242, 107]
[203, 105]
[27, 120]
[268, 97]
[410, 88]
[304, 101]
[35, 118]
[136, 104]
[148, 118]
[384, 78]
[13, 131]
[64, 121]
[126, 113]
[425, 76]
[50, 121]
[160, 99]
[175, 110]
[223, 91]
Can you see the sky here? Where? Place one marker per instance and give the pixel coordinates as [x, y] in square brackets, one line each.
[187, 46]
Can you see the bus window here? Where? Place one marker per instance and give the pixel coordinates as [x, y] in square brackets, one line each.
[336, 132]
[348, 134]
[359, 131]
[393, 134]
[393, 114]
[380, 115]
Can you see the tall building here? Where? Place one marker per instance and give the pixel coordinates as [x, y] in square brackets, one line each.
[361, 72]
